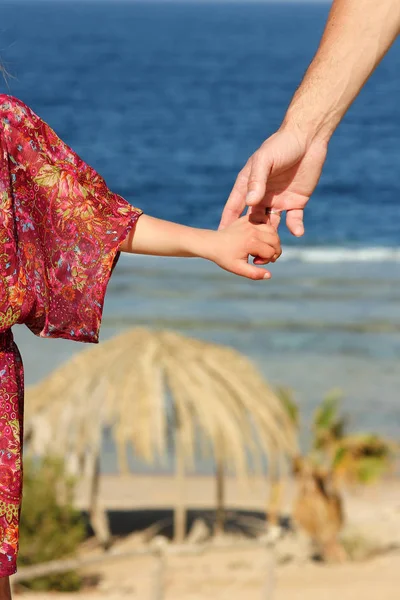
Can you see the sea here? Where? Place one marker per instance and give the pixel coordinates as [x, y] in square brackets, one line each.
[167, 100]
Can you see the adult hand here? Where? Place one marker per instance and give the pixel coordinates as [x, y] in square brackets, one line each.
[285, 170]
[281, 174]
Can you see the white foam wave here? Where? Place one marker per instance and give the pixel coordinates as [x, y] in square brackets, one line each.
[341, 254]
[305, 254]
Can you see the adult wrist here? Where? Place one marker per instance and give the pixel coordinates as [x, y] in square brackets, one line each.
[309, 127]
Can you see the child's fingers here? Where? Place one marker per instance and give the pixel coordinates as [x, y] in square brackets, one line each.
[263, 261]
[262, 250]
[266, 235]
[243, 269]
[258, 260]
[266, 232]
[272, 240]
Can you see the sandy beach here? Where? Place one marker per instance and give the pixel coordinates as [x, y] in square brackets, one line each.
[239, 574]
[237, 581]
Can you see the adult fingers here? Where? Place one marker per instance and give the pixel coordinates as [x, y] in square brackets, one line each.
[294, 221]
[273, 218]
[236, 202]
[261, 166]
[258, 215]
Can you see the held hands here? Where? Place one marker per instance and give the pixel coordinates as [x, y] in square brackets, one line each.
[231, 247]
[281, 174]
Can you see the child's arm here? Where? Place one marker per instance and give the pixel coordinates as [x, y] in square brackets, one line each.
[229, 248]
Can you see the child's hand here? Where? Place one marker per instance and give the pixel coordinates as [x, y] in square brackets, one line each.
[229, 248]
[232, 247]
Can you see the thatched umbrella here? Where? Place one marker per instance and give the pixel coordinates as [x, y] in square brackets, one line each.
[219, 402]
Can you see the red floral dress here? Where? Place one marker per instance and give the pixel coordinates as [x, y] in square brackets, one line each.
[60, 230]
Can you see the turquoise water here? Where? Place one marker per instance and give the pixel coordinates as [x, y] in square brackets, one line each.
[313, 327]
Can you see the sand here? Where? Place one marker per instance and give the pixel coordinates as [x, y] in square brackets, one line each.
[239, 578]
[238, 574]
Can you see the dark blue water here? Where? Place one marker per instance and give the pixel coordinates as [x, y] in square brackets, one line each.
[169, 100]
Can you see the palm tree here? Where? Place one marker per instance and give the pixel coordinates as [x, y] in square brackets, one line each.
[336, 458]
[328, 426]
[218, 401]
[355, 458]
[318, 508]
[363, 458]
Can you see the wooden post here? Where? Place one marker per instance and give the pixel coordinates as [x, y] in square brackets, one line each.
[274, 505]
[268, 587]
[97, 514]
[180, 506]
[158, 590]
[220, 497]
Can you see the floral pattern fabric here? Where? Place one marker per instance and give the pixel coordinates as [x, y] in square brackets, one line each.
[60, 231]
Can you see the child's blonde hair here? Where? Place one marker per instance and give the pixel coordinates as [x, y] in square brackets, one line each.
[4, 72]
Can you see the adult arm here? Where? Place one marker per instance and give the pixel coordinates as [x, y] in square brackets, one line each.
[285, 170]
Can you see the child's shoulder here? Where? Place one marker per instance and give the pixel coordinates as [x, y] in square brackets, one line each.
[13, 109]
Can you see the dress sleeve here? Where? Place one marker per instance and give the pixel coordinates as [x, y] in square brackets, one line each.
[69, 227]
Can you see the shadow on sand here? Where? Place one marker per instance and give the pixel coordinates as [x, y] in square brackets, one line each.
[125, 522]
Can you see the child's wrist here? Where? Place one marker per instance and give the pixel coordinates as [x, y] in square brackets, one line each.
[201, 243]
